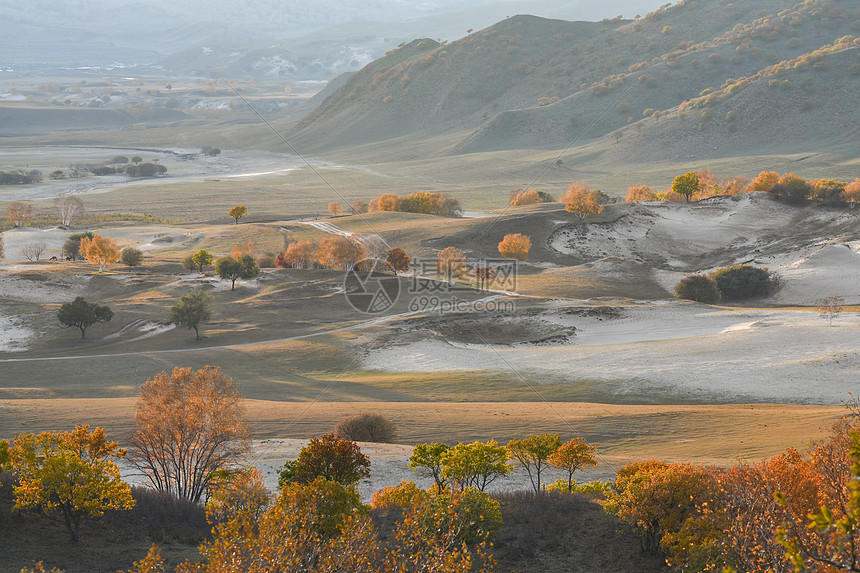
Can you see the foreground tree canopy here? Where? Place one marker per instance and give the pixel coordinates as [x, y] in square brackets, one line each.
[331, 457]
[189, 424]
[69, 474]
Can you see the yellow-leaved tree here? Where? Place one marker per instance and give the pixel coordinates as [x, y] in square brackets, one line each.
[640, 193]
[69, 474]
[581, 200]
[238, 212]
[101, 251]
[516, 246]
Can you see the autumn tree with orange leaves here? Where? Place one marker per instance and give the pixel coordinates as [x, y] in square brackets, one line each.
[69, 474]
[641, 193]
[515, 246]
[335, 208]
[189, 424]
[852, 192]
[451, 262]
[572, 456]
[101, 251]
[300, 255]
[581, 200]
[397, 260]
[763, 182]
[339, 253]
[322, 527]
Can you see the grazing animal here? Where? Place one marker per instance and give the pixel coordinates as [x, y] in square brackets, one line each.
[53, 258]
[68, 258]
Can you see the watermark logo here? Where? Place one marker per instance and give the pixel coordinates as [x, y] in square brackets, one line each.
[369, 290]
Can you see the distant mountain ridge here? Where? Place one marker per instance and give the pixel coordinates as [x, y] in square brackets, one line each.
[293, 39]
[751, 74]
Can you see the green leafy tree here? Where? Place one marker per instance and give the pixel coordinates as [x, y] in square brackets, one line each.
[202, 258]
[131, 257]
[192, 310]
[572, 456]
[686, 185]
[232, 270]
[330, 457]
[70, 474]
[533, 454]
[475, 465]
[699, 288]
[82, 314]
[72, 246]
[429, 458]
[238, 212]
[743, 281]
[791, 188]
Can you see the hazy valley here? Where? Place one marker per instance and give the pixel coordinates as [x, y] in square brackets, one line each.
[347, 131]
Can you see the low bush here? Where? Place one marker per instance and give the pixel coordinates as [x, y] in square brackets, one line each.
[367, 428]
[597, 486]
[743, 281]
[699, 288]
[162, 517]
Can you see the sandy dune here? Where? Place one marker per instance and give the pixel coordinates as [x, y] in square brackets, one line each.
[674, 352]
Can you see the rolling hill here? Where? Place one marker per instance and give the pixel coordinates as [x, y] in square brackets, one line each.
[771, 75]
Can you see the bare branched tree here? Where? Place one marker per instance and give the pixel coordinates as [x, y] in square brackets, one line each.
[33, 251]
[69, 207]
[830, 307]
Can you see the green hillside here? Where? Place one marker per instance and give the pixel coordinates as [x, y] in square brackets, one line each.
[530, 82]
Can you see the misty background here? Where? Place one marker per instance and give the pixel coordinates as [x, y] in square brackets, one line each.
[290, 39]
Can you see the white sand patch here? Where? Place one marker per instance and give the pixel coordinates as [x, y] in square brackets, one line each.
[831, 270]
[150, 329]
[730, 229]
[14, 337]
[16, 240]
[15, 288]
[684, 352]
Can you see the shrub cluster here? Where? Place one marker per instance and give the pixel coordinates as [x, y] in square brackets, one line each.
[737, 282]
[420, 202]
[764, 516]
[520, 197]
[367, 428]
